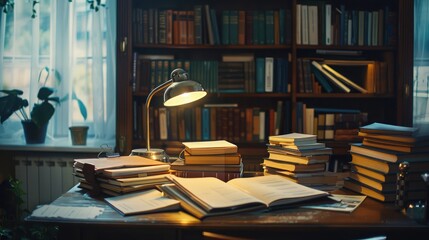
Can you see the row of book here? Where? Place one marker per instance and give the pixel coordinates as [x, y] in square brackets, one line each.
[361, 76]
[300, 158]
[205, 25]
[324, 23]
[375, 162]
[331, 123]
[233, 74]
[213, 122]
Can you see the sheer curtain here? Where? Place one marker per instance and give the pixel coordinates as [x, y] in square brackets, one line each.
[421, 66]
[78, 45]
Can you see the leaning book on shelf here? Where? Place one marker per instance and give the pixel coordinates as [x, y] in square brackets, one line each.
[344, 79]
[203, 197]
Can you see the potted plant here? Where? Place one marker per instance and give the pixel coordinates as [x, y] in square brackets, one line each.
[79, 133]
[36, 124]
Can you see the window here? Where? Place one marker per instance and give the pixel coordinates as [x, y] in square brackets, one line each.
[421, 66]
[77, 43]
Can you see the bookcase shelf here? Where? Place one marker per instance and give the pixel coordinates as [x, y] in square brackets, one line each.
[380, 105]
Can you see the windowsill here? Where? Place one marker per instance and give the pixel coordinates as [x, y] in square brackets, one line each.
[58, 145]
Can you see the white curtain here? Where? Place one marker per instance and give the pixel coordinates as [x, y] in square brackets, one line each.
[421, 66]
[75, 41]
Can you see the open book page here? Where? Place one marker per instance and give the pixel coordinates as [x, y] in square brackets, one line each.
[142, 202]
[276, 190]
[213, 193]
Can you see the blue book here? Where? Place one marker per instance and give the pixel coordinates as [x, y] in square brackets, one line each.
[282, 17]
[198, 24]
[269, 27]
[255, 27]
[205, 118]
[233, 27]
[261, 27]
[215, 26]
[260, 75]
[343, 29]
[322, 80]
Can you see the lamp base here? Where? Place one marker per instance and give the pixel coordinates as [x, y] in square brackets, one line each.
[153, 153]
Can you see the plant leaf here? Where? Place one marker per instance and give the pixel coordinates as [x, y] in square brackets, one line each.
[44, 93]
[42, 113]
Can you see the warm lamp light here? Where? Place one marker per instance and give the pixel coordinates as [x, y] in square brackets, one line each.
[180, 90]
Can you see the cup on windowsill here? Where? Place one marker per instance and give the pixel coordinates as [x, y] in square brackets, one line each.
[78, 134]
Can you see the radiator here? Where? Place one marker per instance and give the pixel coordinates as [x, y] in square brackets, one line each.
[43, 178]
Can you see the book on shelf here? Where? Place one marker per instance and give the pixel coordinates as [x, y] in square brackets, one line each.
[273, 155]
[343, 78]
[201, 196]
[388, 167]
[148, 201]
[386, 155]
[331, 78]
[294, 167]
[229, 158]
[210, 147]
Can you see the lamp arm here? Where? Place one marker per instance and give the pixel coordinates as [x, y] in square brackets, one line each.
[148, 99]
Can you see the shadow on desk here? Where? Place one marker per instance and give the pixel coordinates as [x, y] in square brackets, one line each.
[370, 219]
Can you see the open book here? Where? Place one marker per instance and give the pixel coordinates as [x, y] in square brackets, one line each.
[203, 197]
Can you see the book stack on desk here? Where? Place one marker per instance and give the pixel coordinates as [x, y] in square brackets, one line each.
[120, 175]
[375, 161]
[300, 158]
[219, 159]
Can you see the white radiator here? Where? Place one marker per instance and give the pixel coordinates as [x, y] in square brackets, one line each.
[43, 178]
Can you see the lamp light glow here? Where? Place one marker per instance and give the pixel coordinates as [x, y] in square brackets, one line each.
[180, 90]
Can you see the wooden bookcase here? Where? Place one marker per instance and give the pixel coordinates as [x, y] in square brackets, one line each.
[386, 105]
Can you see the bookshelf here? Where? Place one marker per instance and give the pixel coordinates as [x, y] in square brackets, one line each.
[215, 57]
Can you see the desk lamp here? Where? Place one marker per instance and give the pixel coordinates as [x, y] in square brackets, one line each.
[180, 90]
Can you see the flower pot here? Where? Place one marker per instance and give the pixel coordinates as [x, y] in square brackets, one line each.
[78, 134]
[33, 133]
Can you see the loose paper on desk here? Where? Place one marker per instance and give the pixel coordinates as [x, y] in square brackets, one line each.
[344, 203]
[53, 211]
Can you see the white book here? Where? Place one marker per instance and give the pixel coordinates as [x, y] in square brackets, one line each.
[335, 81]
[269, 74]
[312, 25]
[298, 24]
[304, 24]
[328, 23]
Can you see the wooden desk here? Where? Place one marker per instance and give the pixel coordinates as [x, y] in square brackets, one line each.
[371, 219]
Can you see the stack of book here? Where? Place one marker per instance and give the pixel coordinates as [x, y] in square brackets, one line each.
[300, 158]
[120, 175]
[375, 161]
[218, 158]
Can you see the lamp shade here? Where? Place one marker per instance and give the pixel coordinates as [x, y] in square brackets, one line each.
[179, 93]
